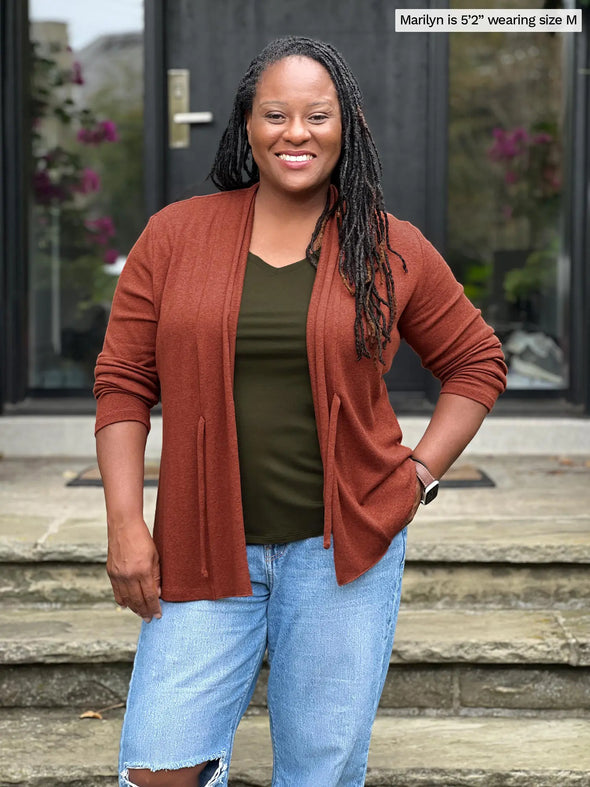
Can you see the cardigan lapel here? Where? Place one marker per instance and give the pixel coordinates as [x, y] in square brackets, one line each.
[233, 299]
[321, 302]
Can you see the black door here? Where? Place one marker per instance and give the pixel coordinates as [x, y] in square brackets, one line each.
[402, 76]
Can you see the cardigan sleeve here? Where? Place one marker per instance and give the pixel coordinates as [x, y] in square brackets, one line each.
[449, 334]
[126, 380]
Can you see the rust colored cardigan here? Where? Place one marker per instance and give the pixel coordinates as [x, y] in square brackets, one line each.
[172, 335]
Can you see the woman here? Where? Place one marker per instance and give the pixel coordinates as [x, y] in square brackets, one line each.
[264, 317]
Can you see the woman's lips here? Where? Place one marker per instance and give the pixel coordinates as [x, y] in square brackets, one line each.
[295, 160]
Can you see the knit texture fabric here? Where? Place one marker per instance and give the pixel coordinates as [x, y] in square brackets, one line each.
[172, 336]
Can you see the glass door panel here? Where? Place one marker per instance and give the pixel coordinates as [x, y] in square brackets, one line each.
[506, 151]
[86, 203]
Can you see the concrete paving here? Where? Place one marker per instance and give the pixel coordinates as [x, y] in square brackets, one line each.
[404, 752]
[538, 511]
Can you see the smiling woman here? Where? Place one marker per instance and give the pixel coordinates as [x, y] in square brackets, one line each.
[295, 130]
[265, 316]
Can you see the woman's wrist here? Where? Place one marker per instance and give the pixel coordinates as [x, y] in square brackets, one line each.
[421, 462]
[427, 481]
[125, 522]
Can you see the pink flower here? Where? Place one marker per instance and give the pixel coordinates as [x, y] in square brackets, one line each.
[503, 148]
[519, 134]
[102, 230]
[90, 181]
[45, 190]
[110, 256]
[86, 136]
[105, 131]
[77, 78]
[542, 139]
[508, 144]
[109, 130]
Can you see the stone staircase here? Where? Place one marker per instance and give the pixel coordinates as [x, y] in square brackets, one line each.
[489, 680]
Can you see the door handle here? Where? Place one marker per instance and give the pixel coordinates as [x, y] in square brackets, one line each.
[179, 116]
[193, 117]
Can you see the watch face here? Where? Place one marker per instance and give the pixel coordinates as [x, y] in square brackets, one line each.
[430, 493]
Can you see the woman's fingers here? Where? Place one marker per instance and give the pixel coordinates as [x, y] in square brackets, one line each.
[141, 596]
[133, 566]
[151, 597]
[117, 594]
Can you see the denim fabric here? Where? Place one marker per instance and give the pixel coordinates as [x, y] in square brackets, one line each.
[328, 649]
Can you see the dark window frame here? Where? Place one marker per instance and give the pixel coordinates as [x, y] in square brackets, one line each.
[577, 212]
[14, 191]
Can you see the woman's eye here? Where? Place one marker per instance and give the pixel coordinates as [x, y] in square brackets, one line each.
[274, 116]
[318, 118]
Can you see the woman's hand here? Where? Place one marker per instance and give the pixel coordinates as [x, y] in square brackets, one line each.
[417, 499]
[133, 566]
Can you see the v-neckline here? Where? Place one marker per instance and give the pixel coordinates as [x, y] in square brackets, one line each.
[276, 267]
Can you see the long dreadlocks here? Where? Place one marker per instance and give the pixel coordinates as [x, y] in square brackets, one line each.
[359, 210]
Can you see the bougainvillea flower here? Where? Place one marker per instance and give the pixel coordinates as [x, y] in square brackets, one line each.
[90, 181]
[542, 138]
[102, 229]
[46, 191]
[105, 131]
[110, 256]
[508, 144]
[109, 130]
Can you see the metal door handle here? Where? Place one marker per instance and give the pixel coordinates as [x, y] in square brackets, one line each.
[193, 117]
[179, 117]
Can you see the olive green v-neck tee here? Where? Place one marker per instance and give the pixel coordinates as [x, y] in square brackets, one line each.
[280, 462]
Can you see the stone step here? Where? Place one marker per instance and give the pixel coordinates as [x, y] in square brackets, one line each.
[531, 539]
[425, 585]
[539, 562]
[54, 583]
[496, 585]
[419, 689]
[30, 635]
[54, 748]
[449, 660]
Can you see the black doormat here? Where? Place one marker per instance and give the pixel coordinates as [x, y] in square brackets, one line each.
[463, 476]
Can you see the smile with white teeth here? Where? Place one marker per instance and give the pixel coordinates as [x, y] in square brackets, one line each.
[302, 157]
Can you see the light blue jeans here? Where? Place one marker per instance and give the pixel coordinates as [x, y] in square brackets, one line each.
[328, 649]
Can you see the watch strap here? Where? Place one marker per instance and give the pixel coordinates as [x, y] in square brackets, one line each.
[428, 481]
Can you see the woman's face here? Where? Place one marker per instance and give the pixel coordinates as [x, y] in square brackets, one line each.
[295, 128]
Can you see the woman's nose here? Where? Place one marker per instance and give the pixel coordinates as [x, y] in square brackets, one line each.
[296, 131]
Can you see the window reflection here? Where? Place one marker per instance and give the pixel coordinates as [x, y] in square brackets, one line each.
[505, 191]
[87, 189]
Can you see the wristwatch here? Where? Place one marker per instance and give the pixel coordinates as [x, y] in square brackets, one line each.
[428, 482]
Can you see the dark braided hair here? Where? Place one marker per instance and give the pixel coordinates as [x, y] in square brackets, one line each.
[359, 210]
